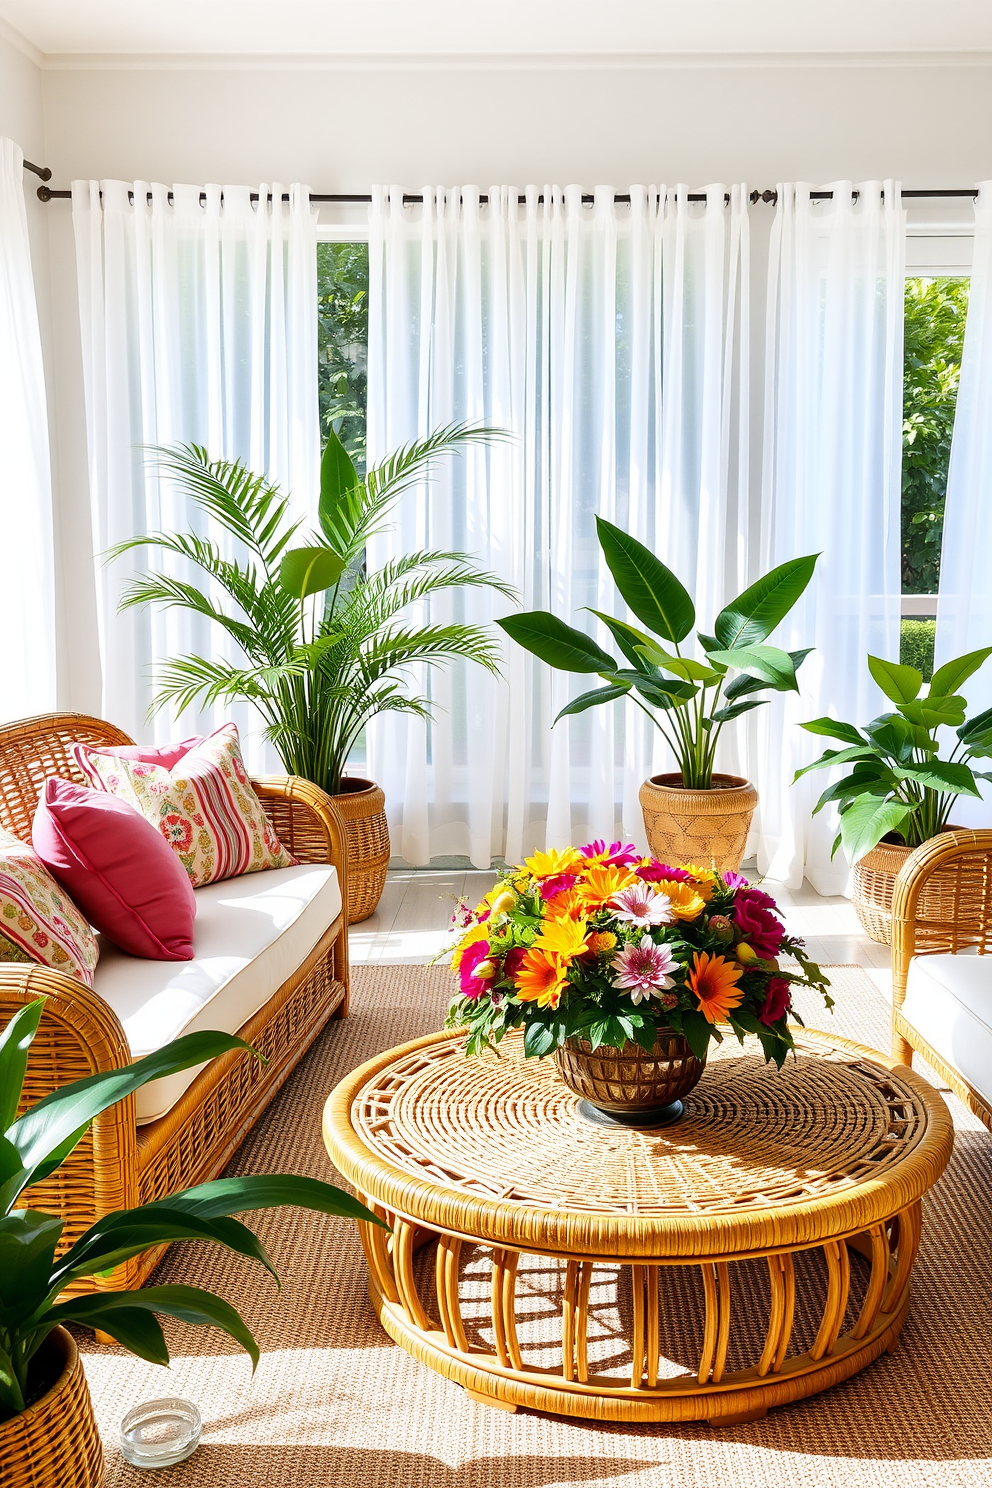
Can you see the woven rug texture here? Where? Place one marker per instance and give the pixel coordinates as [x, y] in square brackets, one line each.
[335, 1404]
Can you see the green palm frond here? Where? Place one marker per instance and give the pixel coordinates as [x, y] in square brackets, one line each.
[412, 579]
[432, 645]
[172, 593]
[250, 507]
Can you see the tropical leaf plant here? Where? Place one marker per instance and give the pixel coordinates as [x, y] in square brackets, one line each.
[325, 644]
[32, 1275]
[688, 697]
[898, 785]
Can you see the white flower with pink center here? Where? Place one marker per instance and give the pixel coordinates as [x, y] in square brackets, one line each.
[642, 906]
[643, 969]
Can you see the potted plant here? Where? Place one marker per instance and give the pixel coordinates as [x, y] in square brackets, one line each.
[899, 792]
[325, 643]
[47, 1430]
[691, 813]
[624, 968]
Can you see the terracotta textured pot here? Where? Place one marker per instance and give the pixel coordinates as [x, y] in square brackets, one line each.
[55, 1443]
[362, 805]
[630, 1086]
[874, 881]
[708, 827]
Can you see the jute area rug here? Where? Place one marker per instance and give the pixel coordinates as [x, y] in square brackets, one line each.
[335, 1404]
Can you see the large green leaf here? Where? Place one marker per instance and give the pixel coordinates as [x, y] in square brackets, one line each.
[754, 614]
[560, 645]
[685, 667]
[263, 1191]
[628, 638]
[66, 1113]
[900, 683]
[28, 1239]
[15, 1045]
[977, 729]
[893, 736]
[866, 821]
[305, 571]
[948, 678]
[593, 699]
[651, 590]
[189, 1304]
[831, 757]
[338, 476]
[942, 775]
[774, 668]
[734, 710]
[832, 729]
[129, 1232]
[931, 713]
[871, 778]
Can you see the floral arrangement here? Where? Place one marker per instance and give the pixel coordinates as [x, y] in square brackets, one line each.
[601, 943]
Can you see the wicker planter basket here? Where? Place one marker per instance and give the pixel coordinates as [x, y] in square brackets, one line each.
[630, 1084]
[55, 1443]
[362, 805]
[874, 880]
[709, 827]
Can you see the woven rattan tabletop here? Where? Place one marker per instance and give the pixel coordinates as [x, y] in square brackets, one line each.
[495, 1148]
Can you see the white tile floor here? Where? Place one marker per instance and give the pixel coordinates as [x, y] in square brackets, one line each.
[410, 925]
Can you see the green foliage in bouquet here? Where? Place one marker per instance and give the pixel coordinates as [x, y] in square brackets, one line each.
[687, 698]
[898, 784]
[602, 944]
[34, 1145]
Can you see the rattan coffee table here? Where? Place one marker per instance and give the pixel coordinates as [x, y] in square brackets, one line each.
[756, 1252]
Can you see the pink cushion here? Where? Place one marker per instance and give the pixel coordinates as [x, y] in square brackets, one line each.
[120, 872]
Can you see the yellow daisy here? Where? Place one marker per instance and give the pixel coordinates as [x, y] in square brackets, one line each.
[600, 885]
[566, 938]
[704, 880]
[550, 864]
[687, 902]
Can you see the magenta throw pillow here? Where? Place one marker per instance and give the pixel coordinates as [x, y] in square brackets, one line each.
[117, 869]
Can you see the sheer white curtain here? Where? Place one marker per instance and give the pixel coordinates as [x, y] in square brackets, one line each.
[964, 606]
[25, 473]
[609, 340]
[199, 323]
[831, 484]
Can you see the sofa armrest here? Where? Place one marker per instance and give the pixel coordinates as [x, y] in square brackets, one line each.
[942, 901]
[79, 1035]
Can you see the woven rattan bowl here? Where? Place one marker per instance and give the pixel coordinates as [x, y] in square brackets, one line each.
[698, 826]
[55, 1442]
[632, 1085]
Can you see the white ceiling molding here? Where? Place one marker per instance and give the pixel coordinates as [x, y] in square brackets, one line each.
[13, 37]
[505, 62]
[594, 29]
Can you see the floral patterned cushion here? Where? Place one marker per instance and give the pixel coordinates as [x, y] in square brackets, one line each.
[38, 920]
[198, 795]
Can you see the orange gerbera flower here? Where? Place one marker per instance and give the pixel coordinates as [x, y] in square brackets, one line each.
[704, 880]
[712, 979]
[600, 885]
[477, 932]
[568, 905]
[687, 901]
[566, 938]
[540, 977]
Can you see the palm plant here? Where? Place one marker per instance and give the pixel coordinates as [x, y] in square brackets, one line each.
[324, 641]
[35, 1145]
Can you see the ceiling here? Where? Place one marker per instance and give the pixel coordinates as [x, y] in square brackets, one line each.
[66, 32]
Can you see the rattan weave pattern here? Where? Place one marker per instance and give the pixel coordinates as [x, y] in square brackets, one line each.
[506, 1128]
[367, 830]
[55, 1442]
[949, 893]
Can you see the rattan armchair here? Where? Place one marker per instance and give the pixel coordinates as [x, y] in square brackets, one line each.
[118, 1163]
[941, 904]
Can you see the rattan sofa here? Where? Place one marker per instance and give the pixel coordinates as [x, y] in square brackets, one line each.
[121, 1163]
[941, 981]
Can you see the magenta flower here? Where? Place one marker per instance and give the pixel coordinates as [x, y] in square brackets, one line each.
[655, 872]
[513, 960]
[644, 969]
[777, 1001]
[641, 906]
[758, 896]
[762, 931]
[558, 885]
[735, 880]
[618, 855]
[473, 955]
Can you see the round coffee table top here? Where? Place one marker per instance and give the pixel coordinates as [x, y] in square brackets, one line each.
[494, 1148]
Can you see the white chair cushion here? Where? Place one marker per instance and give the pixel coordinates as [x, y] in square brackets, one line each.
[949, 1001]
[251, 934]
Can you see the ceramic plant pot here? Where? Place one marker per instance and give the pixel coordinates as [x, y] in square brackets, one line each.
[362, 806]
[708, 827]
[55, 1442]
[630, 1086]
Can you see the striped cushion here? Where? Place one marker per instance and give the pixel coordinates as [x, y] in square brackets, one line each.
[198, 795]
[38, 920]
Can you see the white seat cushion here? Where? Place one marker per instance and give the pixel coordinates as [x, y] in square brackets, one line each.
[251, 934]
[949, 1001]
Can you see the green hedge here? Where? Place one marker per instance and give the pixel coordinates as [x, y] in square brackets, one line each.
[916, 638]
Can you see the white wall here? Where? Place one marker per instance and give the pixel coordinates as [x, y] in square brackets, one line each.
[341, 129]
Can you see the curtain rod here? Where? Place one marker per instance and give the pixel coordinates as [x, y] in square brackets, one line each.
[769, 197]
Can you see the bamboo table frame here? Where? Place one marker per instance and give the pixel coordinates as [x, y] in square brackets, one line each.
[762, 1193]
